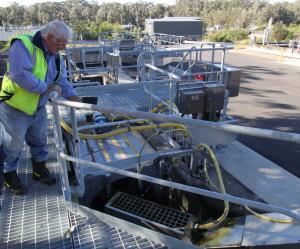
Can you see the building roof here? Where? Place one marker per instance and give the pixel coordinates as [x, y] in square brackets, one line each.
[176, 18]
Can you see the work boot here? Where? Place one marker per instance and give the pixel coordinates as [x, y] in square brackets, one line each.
[13, 182]
[41, 173]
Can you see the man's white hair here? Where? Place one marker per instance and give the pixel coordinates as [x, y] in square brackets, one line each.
[58, 29]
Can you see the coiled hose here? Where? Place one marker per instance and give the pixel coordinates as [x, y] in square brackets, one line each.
[260, 216]
[218, 221]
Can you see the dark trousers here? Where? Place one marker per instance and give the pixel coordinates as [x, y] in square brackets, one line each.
[2, 156]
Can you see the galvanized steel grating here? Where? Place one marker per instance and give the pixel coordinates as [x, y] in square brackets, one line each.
[39, 218]
[90, 234]
[150, 212]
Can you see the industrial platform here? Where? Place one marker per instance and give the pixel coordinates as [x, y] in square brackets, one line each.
[61, 216]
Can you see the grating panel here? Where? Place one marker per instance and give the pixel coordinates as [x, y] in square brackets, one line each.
[150, 212]
[88, 234]
[39, 218]
[131, 96]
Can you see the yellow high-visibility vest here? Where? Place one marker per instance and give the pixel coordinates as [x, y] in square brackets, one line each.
[22, 99]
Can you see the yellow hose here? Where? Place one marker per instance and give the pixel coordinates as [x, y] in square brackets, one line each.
[118, 118]
[210, 182]
[159, 105]
[268, 218]
[261, 216]
[222, 189]
[67, 128]
[155, 109]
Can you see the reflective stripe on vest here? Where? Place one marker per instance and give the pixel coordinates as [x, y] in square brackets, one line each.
[22, 99]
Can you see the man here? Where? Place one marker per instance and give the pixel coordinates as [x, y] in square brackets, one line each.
[34, 71]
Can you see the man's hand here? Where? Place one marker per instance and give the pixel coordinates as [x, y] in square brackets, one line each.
[54, 87]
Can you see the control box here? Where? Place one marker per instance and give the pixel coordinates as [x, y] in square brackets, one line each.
[214, 98]
[191, 102]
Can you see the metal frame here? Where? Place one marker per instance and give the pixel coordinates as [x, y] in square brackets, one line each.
[102, 48]
[226, 127]
[148, 61]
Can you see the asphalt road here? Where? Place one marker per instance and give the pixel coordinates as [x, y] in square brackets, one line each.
[269, 98]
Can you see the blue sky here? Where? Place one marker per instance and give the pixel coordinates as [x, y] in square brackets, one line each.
[5, 3]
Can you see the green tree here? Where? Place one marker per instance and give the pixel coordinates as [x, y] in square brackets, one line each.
[281, 33]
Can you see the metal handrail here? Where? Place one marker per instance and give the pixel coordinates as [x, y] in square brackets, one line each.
[182, 59]
[233, 128]
[187, 188]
